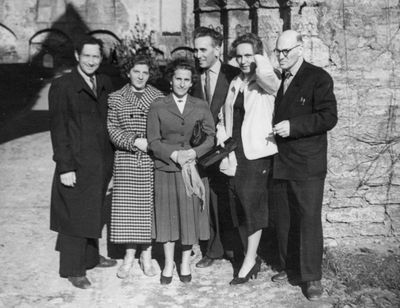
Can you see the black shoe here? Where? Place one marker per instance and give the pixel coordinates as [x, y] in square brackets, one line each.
[185, 278]
[314, 290]
[205, 262]
[165, 280]
[251, 274]
[281, 276]
[104, 262]
[80, 282]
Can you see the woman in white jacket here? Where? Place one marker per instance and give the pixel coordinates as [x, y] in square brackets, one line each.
[247, 118]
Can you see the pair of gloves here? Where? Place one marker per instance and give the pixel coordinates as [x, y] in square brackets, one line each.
[182, 157]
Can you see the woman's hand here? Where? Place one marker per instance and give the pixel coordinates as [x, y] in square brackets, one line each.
[185, 156]
[141, 144]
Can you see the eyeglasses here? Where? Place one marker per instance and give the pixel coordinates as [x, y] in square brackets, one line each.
[285, 52]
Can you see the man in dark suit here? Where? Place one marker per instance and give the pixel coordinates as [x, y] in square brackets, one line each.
[213, 85]
[84, 159]
[305, 109]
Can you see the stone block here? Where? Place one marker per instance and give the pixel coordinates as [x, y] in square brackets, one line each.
[337, 230]
[383, 195]
[341, 203]
[362, 215]
[374, 229]
[393, 212]
[345, 187]
[355, 230]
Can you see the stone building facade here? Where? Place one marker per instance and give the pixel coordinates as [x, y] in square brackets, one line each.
[357, 42]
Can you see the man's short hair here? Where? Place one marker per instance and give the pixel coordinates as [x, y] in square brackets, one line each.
[216, 37]
[88, 40]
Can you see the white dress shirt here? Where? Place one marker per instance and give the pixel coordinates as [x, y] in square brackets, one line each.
[180, 102]
[214, 72]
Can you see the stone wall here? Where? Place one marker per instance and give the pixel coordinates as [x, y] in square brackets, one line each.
[358, 43]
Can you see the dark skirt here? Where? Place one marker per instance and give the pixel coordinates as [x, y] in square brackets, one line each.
[249, 193]
[249, 187]
[176, 215]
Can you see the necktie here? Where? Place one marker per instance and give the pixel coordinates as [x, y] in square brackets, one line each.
[93, 82]
[207, 87]
[286, 81]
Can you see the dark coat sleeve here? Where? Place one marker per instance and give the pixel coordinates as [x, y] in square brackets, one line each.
[324, 115]
[61, 141]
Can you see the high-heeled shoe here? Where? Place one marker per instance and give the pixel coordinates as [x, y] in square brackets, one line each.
[185, 278]
[147, 269]
[166, 279]
[251, 274]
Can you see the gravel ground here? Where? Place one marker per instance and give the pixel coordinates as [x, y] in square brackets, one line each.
[29, 275]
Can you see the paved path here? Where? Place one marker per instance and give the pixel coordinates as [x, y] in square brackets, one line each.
[29, 264]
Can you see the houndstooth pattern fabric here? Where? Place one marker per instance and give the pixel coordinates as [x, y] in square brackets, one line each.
[133, 196]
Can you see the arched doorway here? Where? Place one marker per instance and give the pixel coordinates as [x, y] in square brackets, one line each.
[51, 48]
[8, 41]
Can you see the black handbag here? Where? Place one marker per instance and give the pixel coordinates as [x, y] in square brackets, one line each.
[199, 135]
[217, 153]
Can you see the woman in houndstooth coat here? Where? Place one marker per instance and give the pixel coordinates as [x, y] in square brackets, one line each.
[132, 200]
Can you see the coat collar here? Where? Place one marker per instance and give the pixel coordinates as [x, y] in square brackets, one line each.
[142, 103]
[293, 88]
[173, 108]
[81, 85]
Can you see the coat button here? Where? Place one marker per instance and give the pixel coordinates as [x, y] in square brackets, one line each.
[131, 115]
[183, 123]
[142, 115]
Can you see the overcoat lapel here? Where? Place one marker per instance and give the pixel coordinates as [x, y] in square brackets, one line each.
[292, 90]
[172, 107]
[189, 106]
[218, 98]
[81, 85]
[100, 85]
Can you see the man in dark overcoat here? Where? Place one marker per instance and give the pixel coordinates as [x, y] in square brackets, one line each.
[84, 158]
[213, 85]
[305, 110]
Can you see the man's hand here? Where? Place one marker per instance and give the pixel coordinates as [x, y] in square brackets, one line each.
[110, 186]
[141, 144]
[68, 178]
[282, 129]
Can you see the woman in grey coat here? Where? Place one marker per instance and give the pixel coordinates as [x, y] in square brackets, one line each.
[178, 215]
[132, 200]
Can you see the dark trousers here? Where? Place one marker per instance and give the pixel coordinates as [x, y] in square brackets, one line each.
[298, 207]
[77, 254]
[223, 235]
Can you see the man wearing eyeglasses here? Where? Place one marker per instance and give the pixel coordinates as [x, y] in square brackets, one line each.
[305, 110]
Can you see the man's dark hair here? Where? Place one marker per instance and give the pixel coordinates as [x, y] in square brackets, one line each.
[216, 37]
[88, 40]
[251, 39]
